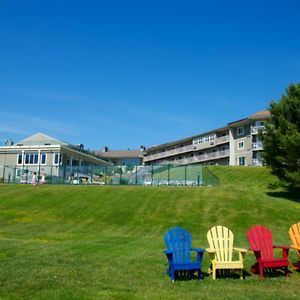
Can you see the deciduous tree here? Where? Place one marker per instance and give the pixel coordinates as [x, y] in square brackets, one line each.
[281, 137]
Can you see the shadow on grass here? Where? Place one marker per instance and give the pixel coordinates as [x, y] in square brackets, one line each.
[221, 274]
[293, 195]
[269, 272]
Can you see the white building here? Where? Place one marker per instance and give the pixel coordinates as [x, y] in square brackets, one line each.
[235, 144]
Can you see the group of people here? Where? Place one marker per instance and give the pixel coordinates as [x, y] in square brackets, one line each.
[35, 179]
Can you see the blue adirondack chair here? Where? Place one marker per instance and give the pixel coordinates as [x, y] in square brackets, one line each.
[178, 252]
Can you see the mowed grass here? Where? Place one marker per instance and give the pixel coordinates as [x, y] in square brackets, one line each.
[106, 242]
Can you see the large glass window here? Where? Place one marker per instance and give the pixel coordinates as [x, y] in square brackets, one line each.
[31, 158]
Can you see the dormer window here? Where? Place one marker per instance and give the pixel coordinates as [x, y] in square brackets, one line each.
[240, 131]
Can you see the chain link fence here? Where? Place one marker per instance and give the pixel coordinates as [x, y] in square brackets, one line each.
[147, 175]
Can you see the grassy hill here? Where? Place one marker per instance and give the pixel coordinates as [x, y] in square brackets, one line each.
[106, 242]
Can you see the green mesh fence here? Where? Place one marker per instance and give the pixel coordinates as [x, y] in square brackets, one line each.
[174, 175]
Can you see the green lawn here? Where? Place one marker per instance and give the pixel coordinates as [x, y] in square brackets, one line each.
[106, 242]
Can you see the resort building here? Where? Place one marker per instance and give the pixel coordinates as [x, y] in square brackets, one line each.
[43, 154]
[236, 144]
[123, 157]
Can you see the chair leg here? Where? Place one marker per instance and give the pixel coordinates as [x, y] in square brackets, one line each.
[261, 271]
[214, 273]
[242, 274]
[286, 271]
[172, 274]
[199, 274]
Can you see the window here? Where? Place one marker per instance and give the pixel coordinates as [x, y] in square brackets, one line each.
[241, 145]
[240, 131]
[56, 159]
[259, 123]
[198, 141]
[31, 158]
[43, 159]
[19, 159]
[241, 160]
[75, 162]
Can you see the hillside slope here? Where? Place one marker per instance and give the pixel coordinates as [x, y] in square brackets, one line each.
[91, 242]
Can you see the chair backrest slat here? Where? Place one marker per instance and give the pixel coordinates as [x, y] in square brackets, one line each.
[178, 240]
[294, 233]
[261, 239]
[220, 238]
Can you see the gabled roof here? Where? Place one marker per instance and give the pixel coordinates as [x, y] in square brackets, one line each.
[39, 139]
[120, 153]
[260, 115]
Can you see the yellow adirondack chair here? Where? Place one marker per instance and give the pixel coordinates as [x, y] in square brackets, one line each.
[220, 240]
[294, 233]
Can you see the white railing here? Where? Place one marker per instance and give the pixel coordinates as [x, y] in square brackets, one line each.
[222, 139]
[201, 158]
[187, 148]
[172, 152]
[257, 145]
[256, 129]
[256, 162]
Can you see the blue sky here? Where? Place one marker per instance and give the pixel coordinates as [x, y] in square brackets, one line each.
[128, 73]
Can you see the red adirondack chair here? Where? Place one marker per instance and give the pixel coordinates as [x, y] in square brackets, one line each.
[261, 243]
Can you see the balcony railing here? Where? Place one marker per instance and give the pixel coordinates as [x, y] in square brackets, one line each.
[257, 146]
[256, 162]
[200, 158]
[172, 152]
[257, 129]
[188, 148]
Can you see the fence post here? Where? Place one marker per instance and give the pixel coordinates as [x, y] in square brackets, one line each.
[15, 174]
[185, 175]
[120, 175]
[136, 177]
[152, 174]
[168, 174]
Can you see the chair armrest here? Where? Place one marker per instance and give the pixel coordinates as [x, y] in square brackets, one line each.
[198, 250]
[285, 250]
[295, 247]
[210, 250]
[257, 253]
[242, 250]
[280, 246]
[169, 254]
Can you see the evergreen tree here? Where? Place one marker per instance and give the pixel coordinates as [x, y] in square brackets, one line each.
[281, 137]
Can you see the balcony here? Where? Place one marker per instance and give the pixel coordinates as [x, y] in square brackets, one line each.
[210, 144]
[203, 157]
[257, 146]
[257, 129]
[168, 153]
[256, 162]
[200, 158]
